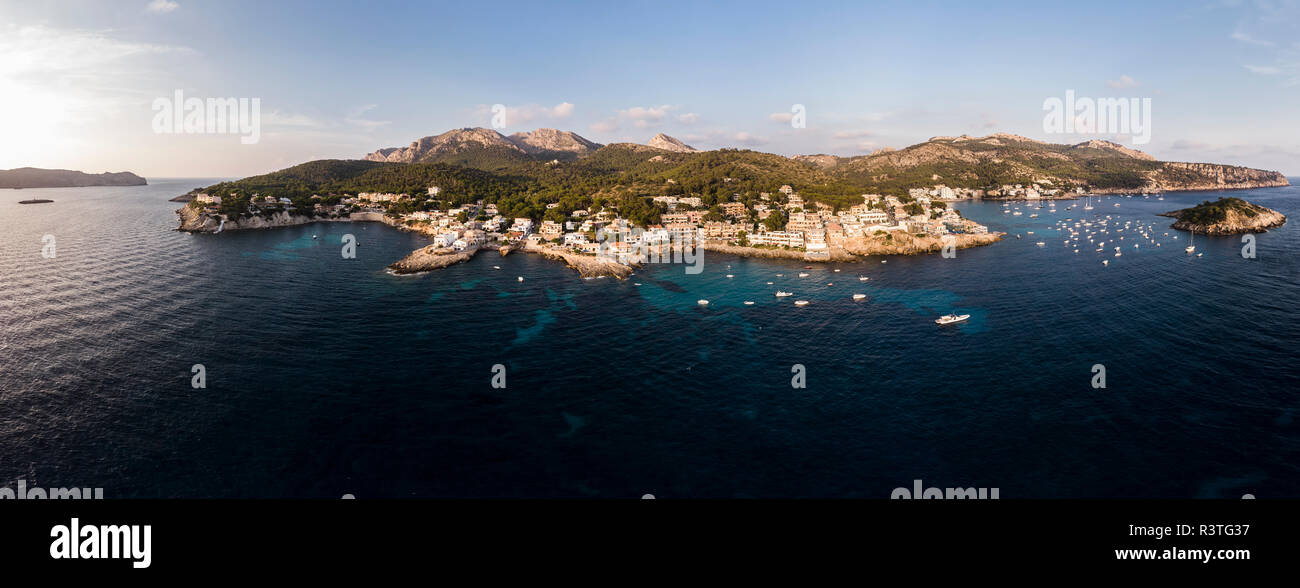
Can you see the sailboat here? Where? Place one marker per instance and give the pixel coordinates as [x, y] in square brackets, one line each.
[1191, 244]
[1088, 205]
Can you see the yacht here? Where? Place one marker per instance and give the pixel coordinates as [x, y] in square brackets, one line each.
[702, 302]
[859, 296]
[803, 274]
[801, 303]
[863, 278]
[780, 294]
[948, 319]
[1191, 244]
[749, 303]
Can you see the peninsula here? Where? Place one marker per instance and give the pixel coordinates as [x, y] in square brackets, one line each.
[1226, 216]
[31, 177]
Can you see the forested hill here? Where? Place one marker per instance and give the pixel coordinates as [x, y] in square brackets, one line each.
[526, 171]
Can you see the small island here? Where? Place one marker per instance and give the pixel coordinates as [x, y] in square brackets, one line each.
[31, 177]
[35, 201]
[1226, 216]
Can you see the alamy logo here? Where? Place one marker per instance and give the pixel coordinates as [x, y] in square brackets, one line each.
[919, 492]
[129, 542]
[193, 116]
[22, 492]
[1116, 116]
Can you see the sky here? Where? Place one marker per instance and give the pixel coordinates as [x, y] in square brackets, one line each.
[81, 81]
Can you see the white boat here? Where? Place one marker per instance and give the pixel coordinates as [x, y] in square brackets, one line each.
[801, 303]
[1191, 243]
[1199, 254]
[702, 302]
[803, 275]
[1105, 262]
[769, 283]
[884, 261]
[859, 296]
[730, 276]
[521, 278]
[1040, 243]
[837, 271]
[780, 294]
[496, 267]
[749, 303]
[313, 237]
[948, 319]
[863, 278]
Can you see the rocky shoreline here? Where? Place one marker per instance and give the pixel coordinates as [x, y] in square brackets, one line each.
[855, 249]
[430, 258]
[587, 266]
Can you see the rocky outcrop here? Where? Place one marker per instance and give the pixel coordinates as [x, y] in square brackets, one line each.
[662, 141]
[431, 258]
[541, 143]
[450, 142]
[547, 142]
[31, 177]
[1227, 216]
[587, 266]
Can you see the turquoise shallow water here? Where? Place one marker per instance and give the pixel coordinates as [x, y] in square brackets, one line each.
[328, 376]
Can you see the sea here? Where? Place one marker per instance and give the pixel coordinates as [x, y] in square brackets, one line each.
[265, 364]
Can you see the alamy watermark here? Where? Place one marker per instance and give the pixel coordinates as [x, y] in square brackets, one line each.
[1083, 115]
[234, 116]
[637, 245]
[919, 492]
[22, 492]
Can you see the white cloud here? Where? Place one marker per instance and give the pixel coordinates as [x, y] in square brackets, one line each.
[280, 119]
[355, 118]
[781, 117]
[644, 116]
[526, 114]
[1122, 82]
[608, 125]
[1264, 70]
[852, 134]
[748, 139]
[688, 118]
[161, 6]
[1244, 37]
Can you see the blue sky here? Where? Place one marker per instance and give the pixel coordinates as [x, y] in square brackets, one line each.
[339, 79]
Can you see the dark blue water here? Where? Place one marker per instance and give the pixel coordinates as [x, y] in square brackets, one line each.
[328, 376]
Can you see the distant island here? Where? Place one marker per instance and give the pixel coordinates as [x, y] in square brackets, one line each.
[558, 194]
[31, 177]
[1226, 216]
[35, 201]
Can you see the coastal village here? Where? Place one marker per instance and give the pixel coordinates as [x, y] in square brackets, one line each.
[779, 224]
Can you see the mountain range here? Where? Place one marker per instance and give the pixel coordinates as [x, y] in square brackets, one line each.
[529, 170]
[956, 161]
